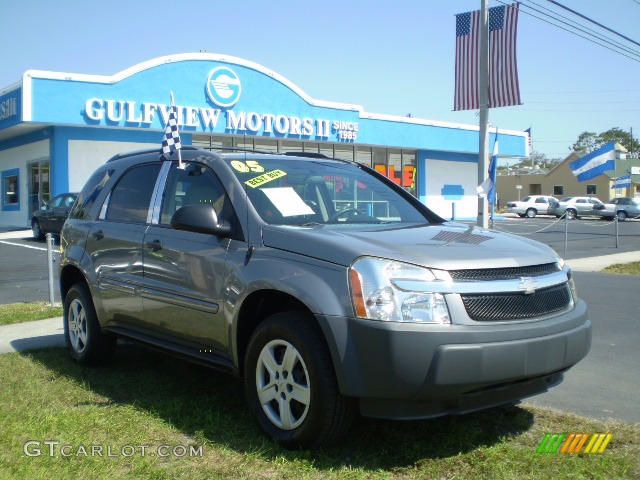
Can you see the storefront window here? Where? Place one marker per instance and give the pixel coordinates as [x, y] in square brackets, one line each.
[363, 155]
[10, 193]
[327, 149]
[409, 178]
[344, 151]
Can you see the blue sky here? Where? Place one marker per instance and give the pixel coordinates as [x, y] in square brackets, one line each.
[392, 57]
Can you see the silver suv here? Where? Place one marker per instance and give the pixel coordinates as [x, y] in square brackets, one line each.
[328, 288]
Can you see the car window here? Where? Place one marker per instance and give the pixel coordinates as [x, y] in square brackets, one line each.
[291, 191]
[55, 201]
[526, 199]
[541, 200]
[131, 197]
[566, 199]
[68, 200]
[581, 200]
[192, 185]
[89, 194]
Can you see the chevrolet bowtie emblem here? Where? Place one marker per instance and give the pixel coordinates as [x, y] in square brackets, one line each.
[528, 285]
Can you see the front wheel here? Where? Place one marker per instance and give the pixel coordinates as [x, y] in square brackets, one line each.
[290, 383]
[85, 341]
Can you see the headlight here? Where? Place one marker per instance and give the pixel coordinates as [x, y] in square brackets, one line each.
[376, 297]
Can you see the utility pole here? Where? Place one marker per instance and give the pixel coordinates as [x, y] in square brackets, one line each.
[483, 157]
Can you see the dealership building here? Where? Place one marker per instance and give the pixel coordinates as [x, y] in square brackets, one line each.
[57, 128]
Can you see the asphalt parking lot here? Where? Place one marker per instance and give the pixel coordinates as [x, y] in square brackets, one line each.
[606, 384]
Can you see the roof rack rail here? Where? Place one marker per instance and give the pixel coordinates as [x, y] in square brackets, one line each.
[305, 154]
[238, 149]
[119, 156]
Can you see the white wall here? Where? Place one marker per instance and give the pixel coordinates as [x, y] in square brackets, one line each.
[442, 172]
[85, 156]
[19, 157]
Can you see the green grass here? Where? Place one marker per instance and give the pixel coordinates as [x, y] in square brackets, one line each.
[24, 312]
[145, 398]
[632, 268]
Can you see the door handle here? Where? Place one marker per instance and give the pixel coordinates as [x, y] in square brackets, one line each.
[154, 246]
[98, 235]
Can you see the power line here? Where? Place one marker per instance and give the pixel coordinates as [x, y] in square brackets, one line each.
[573, 32]
[593, 21]
[582, 28]
[579, 27]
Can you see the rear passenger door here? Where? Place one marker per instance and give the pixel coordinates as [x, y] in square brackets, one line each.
[114, 245]
[184, 272]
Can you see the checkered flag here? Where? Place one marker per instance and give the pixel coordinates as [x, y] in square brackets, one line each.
[171, 140]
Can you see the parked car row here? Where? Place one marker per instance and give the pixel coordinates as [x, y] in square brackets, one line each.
[575, 207]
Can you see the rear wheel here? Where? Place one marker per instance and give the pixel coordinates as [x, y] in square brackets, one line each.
[291, 386]
[85, 341]
[622, 215]
[531, 212]
[571, 214]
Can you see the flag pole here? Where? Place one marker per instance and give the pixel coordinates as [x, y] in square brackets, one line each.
[180, 165]
[484, 110]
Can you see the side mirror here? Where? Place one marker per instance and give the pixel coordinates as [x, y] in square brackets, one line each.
[200, 218]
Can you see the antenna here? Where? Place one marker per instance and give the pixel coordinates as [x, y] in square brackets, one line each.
[250, 248]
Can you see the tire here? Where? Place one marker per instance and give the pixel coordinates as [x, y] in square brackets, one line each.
[85, 341]
[571, 214]
[36, 230]
[622, 215]
[319, 415]
[531, 212]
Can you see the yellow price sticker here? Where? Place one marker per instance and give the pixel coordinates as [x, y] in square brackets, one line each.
[265, 177]
[248, 166]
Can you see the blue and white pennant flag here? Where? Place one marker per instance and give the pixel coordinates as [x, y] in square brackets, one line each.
[596, 163]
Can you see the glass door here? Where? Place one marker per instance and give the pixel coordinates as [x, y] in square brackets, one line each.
[39, 192]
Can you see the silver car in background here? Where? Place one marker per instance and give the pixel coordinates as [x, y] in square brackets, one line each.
[531, 206]
[575, 207]
[621, 207]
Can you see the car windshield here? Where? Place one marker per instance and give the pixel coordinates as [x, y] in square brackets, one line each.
[292, 191]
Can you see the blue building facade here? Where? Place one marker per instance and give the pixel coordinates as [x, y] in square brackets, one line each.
[57, 128]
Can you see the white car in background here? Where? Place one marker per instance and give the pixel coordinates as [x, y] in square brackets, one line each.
[531, 206]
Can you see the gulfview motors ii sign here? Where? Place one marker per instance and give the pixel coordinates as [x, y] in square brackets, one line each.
[224, 90]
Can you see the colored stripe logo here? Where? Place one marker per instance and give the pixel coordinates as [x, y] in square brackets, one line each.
[572, 443]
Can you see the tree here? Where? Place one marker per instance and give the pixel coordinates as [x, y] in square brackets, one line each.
[588, 141]
[618, 135]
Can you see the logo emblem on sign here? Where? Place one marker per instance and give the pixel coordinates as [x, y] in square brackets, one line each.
[223, 86]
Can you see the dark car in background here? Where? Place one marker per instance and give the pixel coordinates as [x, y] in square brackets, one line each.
[51, 217]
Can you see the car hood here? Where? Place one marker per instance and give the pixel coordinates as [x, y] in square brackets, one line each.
[447, 246]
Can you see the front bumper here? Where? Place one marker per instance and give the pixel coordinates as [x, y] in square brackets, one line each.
[402, 370]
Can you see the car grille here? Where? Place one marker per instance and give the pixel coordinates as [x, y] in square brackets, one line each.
[517, 306]
[504, 273]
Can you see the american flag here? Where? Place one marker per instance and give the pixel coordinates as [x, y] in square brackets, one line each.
[504, 89]
[171, 140]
